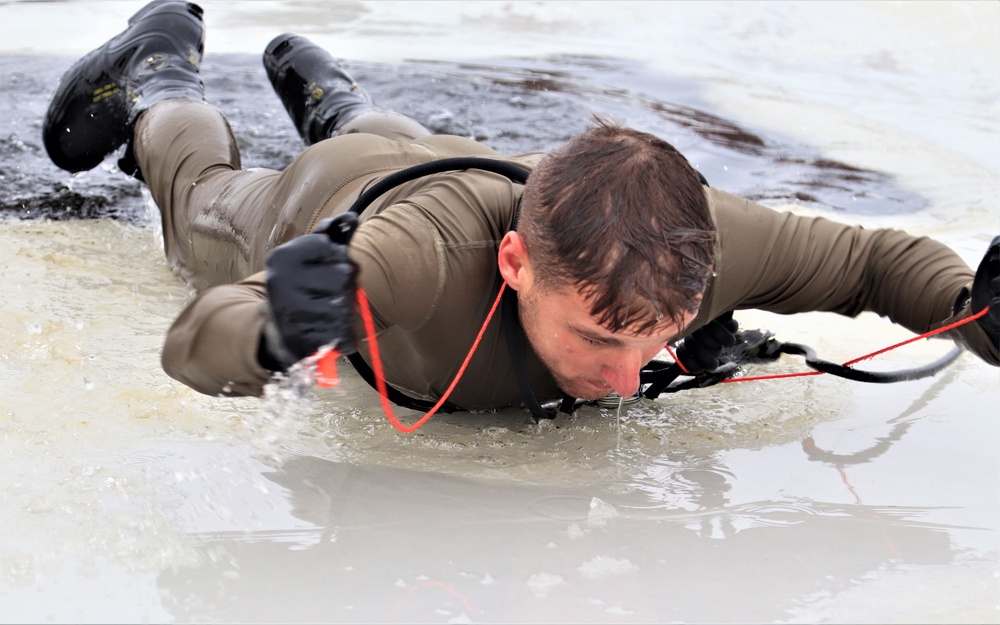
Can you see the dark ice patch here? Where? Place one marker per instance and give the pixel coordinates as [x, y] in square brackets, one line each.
[512, 105]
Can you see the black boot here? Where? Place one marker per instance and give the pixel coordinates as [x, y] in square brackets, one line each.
[94, 108]
[316, 90]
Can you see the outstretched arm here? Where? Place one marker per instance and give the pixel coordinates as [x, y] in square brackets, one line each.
[784, 263]
[212, 346]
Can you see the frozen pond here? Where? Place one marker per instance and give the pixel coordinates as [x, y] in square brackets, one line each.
[126, 497]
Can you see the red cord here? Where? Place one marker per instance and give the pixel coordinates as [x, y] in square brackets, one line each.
[369, 322]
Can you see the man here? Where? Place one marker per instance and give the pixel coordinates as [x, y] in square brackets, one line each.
[614, 246]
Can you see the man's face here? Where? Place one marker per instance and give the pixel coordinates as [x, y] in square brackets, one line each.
[587, 360]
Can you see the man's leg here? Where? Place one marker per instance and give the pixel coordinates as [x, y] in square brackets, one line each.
[213, 212]
[142, 88]
[145, 83]
[219, 220]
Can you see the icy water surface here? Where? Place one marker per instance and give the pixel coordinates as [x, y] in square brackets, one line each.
[126, 497]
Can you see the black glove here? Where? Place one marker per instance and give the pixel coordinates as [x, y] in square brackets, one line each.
[706, 349]
[311, 285]
[986, 291]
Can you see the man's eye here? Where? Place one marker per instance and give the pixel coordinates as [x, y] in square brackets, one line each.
[590, 341]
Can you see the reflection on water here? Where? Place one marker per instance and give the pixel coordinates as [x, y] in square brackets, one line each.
[900, 426]
[410, 543]
[645, 534]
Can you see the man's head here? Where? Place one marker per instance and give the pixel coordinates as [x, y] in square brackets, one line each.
[613, 250]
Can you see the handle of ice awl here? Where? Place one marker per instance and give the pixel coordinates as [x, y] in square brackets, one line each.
[340, 229]
[326, 369]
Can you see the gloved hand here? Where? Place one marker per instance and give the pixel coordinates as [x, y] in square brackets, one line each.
[986, 291]
[311, 285]
[705, 348]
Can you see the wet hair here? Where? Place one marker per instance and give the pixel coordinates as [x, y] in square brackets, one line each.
[622, 216]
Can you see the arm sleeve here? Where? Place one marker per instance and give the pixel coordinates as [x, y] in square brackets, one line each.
[785, 263]
[212, 345]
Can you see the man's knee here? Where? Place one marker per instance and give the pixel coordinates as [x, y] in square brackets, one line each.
[182, 138]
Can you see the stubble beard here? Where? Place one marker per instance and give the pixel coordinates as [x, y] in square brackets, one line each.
[572, 386]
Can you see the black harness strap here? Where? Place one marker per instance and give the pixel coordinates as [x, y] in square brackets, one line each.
[873, 377]
[395, 396]
[512, 332]
[511, 171]
[755, 346]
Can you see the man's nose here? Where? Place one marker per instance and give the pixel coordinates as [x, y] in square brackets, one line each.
[622, 374]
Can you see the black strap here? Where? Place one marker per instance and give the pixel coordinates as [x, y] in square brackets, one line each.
[874, 377]
[754, 346]
[512, 332]
[511, 171]
[395, 396]
[659, 375]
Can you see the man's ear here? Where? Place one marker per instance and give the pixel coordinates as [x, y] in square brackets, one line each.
[512, 258]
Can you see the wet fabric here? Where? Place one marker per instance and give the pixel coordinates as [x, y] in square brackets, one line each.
[427, 256]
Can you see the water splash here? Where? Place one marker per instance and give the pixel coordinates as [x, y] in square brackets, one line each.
[284, 414]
